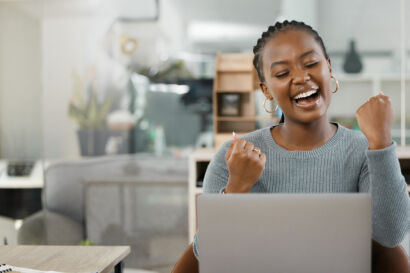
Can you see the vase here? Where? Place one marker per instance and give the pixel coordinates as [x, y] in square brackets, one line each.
[352, 63]
[92, 141]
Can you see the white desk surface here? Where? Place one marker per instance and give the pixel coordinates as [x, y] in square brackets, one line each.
[35, 180]
[403, 152]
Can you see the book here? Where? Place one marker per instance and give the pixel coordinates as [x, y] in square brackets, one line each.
[9, 268]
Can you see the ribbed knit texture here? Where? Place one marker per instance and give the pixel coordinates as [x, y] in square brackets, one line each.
[343, 164]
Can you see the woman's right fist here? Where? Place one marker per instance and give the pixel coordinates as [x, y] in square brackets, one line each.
[245, 165]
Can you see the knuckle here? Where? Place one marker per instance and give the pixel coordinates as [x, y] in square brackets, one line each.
[243, 155]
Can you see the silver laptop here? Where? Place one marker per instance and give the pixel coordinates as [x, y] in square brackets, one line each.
[284, 233]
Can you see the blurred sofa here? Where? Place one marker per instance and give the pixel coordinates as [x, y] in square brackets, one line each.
[115, 200]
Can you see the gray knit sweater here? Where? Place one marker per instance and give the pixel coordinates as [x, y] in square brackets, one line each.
[343, 164]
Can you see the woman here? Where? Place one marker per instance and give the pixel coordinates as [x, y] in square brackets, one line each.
[307, 153]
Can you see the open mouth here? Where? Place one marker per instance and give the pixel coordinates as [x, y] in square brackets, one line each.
[308, 98]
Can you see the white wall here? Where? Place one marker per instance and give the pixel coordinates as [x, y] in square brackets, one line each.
[20, 84]
[305, 10]
[375, 25]
[74, 42]
[65, 43]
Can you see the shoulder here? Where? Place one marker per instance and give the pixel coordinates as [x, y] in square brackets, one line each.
[258, 136]
[353, 139]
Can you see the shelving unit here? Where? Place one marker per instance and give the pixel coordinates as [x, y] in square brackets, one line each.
[234, 74]
[198, 162]
[356, 89]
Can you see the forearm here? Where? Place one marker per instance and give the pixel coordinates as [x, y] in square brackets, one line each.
[187, 263]
[391, 206]
[386, 259]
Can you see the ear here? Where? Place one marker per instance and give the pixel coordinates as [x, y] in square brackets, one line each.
[329, 64]
[265, 91]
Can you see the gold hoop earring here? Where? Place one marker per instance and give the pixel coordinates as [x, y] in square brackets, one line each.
[264, 106]
[337, 84]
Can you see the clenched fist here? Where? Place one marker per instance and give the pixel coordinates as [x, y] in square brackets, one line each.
[245, 165]
[375, 119]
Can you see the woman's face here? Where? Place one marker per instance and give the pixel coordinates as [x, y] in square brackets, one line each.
[297, 75]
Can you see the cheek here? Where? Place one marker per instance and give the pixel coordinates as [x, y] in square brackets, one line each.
[279, 89]
[328, 85]
[326, 80]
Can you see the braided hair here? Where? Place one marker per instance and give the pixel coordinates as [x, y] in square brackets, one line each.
[281, 27]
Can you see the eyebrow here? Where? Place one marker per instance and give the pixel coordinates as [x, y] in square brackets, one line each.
[300, 57]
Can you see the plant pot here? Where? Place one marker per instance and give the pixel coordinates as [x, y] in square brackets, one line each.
[92, 141]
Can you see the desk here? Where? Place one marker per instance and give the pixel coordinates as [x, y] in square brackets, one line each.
[20, 196]
[33, 181]
[68, 259]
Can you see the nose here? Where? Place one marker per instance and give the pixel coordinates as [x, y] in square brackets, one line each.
[301, 77]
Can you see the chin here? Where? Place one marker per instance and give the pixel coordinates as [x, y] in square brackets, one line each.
[308, 116]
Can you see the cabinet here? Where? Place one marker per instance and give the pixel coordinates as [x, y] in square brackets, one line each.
[234, 102]
[356, 89]
[198, 163]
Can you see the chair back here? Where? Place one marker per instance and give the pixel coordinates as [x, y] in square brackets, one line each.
[64, 181]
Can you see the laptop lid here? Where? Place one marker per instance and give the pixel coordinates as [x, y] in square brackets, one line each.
[309, 233]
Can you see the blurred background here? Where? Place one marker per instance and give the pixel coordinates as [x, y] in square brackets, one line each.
[82, 79]
[57, 54]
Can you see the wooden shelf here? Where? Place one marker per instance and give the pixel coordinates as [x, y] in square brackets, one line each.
[247, 118]
[274, 119]
[235, 62]
[241, 81]
[241, 118]
[233, 70]
[234, 73]
[197, 162]
[233, 91]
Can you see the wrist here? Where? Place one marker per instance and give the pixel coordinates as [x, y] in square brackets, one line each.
[380, 143]
[235, 186]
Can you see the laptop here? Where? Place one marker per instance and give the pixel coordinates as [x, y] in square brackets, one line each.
[284, 233]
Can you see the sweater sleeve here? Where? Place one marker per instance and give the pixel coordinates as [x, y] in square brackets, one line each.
[217, 174]
[381, 176]
[215, 180]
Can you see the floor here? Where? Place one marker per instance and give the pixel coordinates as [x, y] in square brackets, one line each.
[8, 236]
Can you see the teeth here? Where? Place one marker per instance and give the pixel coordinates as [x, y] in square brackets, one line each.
[305, 94]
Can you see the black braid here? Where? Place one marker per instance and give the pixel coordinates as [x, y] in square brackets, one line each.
[272, 30]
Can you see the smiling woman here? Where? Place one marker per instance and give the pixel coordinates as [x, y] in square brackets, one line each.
[297, 55]
[308, 154]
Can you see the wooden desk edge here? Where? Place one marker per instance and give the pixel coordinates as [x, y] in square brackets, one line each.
[111, 266]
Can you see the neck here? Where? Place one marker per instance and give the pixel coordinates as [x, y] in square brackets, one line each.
[303, 136]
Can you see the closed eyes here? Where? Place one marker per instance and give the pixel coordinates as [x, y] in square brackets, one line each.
[312, 64]
[282, 74]
[286, 73]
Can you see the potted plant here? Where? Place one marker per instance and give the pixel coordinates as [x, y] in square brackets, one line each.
[90, 112]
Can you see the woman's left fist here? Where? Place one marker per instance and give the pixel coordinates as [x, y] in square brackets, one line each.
[375, 119]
